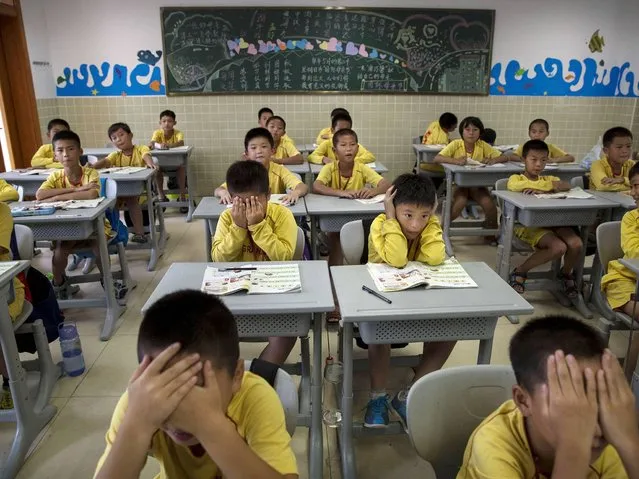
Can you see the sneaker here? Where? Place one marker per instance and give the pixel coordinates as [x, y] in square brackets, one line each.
[6, 401]
[65, 290]
[399, 406]
[89, 264]
[73, 263]
[140, 239]
[184, 210]
[377, 412]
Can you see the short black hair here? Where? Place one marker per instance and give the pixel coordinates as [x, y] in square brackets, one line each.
[169, 113]
[447, 120]
[247, 176]
[634, 171]
[58, 122]
[534, 145]
[198, 321]
[615, 132]
[489, 136]
[539, 338]
[343, 132]
[540, 121]
[66, 135]
[471, 120]
[414, 190]
[339, 110]
[273, 118]
[258, 132]
[264, 110]
[341, 117]
[118, 126]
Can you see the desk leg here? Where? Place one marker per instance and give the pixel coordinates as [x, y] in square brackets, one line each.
[112, 306]
[347, 450]
[447, 212]
[579, 302]
[315, 237]
[485, 351]
[207, 241]
[317, 442]
[189, 183]
[155, 252]
[503, 268]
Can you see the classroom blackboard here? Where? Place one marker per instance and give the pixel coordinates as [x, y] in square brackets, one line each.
[240, 50]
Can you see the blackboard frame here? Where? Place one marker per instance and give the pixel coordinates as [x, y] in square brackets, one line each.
[170, 93]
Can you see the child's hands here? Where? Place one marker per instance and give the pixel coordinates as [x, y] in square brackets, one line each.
[493, 161]
[326, 160]
[290, 198]
[254, 211]
[238, 212]
[458, 161]
[155, 390]
[389, 206]
[612, 181]
[88, 187]
[364, 193]
[532, 191]
[225, 197]
[346, 194]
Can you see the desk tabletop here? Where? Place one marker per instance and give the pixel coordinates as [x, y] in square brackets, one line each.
[138, 176]
[420, 147]
[315, 297]
[531, 202]
[622, 199]
[631, 264]
[63, 216]
[107, 150]
[332, 205]
[211, 208]
[13, 268]
[301, 169]
[492, 297]
[16, 177]
[509, 168]
[375, 165]
[307, 147]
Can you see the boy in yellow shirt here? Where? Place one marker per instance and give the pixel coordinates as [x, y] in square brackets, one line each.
[539, 129]
[572, 414]
[73, 182]
[285, 151]
[327, 133]
[325, 152]
[7, 192]
[165, 138]
[44, 157]
[549, 243]
[190, 404]
[610, 173]
[438, 131]
[254, 229]
[259, 146]
[409, 230]
[128, 154]
[263, 115]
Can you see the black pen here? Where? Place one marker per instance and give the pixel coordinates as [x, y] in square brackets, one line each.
[376, 294]
[238, 269]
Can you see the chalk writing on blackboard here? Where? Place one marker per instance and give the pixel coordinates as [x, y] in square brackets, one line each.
[232, 50]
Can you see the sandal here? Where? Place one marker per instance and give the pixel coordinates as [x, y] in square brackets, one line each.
[518, 285]
[569, 286]
[334, 317]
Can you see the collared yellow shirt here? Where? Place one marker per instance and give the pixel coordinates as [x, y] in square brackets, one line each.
[6, 227]
[387, 243]
[325, 149]
[328, 131]
[119, 159]
[601, 169]
[522, 182]
[481, 152]
[619, 282]
[280, 179]
[176, 137]
[45, 157]
[258, 415]
[553, 151]
[362, 175]
[285, 149]
[435, 135]
[7, 192]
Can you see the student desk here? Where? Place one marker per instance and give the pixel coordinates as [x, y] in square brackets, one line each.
[376, 166]
[29, 183]
[209, 209]
[528, 210]
[302, 169]
[625, 202]
[416, 315]
[306, 148]
[330, 213]
[80, 224]
[427, 153]
[135, 184]
[287, 314]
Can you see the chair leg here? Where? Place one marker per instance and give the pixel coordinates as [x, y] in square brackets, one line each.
[124, 268]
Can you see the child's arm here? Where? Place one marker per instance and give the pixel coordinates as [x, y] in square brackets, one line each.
[602, 182]
[364, 156]
[321, 189]
[292, 156]
[561, 186]
[387, 237]
[148, 161]
[177, 144]
[371, 177]
[103, 163]
[86, 192]
[446, 156]
[629, 236]
[559, 156]
[320, 155]
[7, 192]
[230, 233]
[295, 194]
[41, 159]
[48, 193]
[432, 249]
[278, 242]
[223, 194]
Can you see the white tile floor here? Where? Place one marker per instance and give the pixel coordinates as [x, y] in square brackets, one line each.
[71, 444]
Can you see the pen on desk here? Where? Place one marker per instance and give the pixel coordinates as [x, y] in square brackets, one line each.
[238, 269]
[376, 294]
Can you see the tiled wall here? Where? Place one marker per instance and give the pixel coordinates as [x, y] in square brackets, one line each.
[215, 125]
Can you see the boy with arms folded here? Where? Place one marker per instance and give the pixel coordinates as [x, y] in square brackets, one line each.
[44, 157]
[325, 153]
[610, 173]
[191, 405]
[285, 151]
[539, 129]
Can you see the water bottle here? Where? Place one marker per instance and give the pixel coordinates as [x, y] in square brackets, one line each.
[71, 349]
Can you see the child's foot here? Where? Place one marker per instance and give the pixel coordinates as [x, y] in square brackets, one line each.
[66, 290]
[6, 401]
[377, 412]
[399, 406]
[184, 209]
[334, 317]
[140, 239]
[569, 286]
[89, 264]
[74, 262]
[518, 281]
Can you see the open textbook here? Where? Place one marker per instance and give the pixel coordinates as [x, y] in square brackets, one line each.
[263, 278]
[575, 194]
[449, 274]
[122, 170]
[371, 201]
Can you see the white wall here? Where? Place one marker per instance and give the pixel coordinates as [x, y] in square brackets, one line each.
[34, 17]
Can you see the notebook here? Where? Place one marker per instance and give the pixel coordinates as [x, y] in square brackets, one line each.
[254, 279]
[38, 171]
[123, 170]
[371, 201]
[449, 274]
[574, 194]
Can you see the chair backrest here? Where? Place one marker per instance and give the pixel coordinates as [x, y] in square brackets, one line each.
[609, 243]
[20, 191]
[417, 140]
[445, 407]
[109, 188]
[92, 159]
[501, 185]
[298, 254]
[24, 241]
[577, 182]
[352, 241]
[287, 391]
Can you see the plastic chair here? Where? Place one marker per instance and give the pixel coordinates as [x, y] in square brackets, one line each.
[298, 253]
[24, 239]
[352, 241]
[445, 407]
[20, 191]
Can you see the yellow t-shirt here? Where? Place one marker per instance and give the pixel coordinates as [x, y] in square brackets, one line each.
[119, 159]
[387, 243]
[362, 175]
[522, 182]
[285, 149]
[280, 179]
[435, 135]
[499, 449]
[256, 411]
[328, 131]
[553, 151]
[6, 227]
[601, 169]
[7, 192]
[273, 239]
[325, 149]
[482, 151]
[158, 137]
[44, 157]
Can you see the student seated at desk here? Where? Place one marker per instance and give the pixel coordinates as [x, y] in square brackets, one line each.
[409, 230]
[327, 133]
[471, 147]
[259, 146]
[262, 117]
[539, 129]
[572, 414]
[489, 136]
[191, 405]
[44, 157]
[128, 154]
[549, 243]
[610, 173]
[325, 153]
[285, 151]
[165, 138]
[254, 229]
[437, 134]
[73, 182]
[7, 192]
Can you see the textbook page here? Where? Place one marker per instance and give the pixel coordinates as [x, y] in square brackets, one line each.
[220, 282]
[370, 201]
[254, 279]
[575, 193]
[449, 274]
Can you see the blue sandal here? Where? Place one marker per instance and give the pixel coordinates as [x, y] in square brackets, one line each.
[518, 285]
